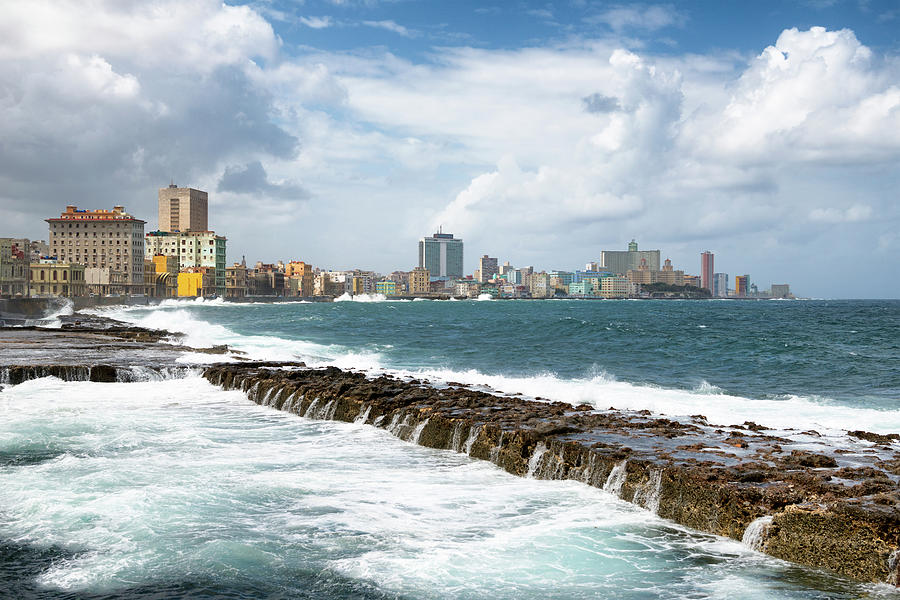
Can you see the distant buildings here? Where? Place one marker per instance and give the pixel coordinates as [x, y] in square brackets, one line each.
[183, 209]
[487, 269]
[51, 277]
[622, 261]
[720, 285]
[14, 267]
[419, 279]
[108, 240]
[781, 290]
[194, 249]
[741, 285]
[442, 255]
[706, 270]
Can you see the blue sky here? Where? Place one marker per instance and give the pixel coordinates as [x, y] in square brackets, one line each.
[696, 26]
[339, 132]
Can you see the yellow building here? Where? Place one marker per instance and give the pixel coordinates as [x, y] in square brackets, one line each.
[302, 276]
[419, 279]
[50, 277]
[197, 282]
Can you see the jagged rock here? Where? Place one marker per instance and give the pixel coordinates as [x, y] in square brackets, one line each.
[715, 479]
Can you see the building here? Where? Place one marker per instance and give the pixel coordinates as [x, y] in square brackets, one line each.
[50, 277]
[584, 288]
[183, 209]
[328, 284]
[692, 280]
[34, 249]
[418, 281]
[101, 239]
[669, 275]
[164, 269]
[707, 260]
[781, 290]
[15, 263]
[236, 280]
[487, 269]
[386, 287]
[720, 285]
[539, 285]
[197, 282]
[620, 262]
[105, 282]
[615, 287]
[442, 255]
[193, 249]
[741, 285]
[300, 277]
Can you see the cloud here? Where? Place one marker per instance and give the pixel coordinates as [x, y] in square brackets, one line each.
[253, 179]
[853, 214]
[393, 27]
[317, 22]
[637, 17]
[598, 103]
[814, 95]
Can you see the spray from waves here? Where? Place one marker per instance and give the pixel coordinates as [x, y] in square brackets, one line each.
[705, 387]
[484, 298]
[199, 333]
[597, 388]
[366, 298]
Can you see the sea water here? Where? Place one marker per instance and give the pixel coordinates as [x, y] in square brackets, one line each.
[178, 489]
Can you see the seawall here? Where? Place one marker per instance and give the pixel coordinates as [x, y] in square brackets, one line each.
[837, 509]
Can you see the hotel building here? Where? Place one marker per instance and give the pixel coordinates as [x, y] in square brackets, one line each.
[110, 240]
[442, 255]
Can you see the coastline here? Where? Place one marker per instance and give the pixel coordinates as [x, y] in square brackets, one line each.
[836, 509]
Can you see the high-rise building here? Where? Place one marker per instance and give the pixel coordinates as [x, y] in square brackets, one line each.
[183, 209]
[706, 270]
[110, 240]
[622, 261]
[720, 285]
[487, 268]
[741, 285]
[442, 255]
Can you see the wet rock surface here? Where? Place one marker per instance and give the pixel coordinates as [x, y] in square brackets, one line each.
[91, 348]
[792, 496]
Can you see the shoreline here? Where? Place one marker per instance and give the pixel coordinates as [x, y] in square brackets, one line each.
[837, 509]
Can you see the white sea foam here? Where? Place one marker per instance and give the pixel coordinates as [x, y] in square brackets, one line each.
[484, 297]
[172, 480]
[600, 389]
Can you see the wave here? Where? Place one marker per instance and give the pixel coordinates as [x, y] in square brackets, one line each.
[598, 388]
[484, 297]
[366, 298]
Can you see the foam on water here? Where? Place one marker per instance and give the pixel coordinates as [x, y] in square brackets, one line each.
[599, 389]
[143, 483]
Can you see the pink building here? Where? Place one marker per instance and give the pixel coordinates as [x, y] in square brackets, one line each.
[706, 270]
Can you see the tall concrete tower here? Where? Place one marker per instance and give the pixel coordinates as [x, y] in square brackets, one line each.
[706, 270]
[183, 209]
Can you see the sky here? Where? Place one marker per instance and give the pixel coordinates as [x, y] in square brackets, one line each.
[339, 132]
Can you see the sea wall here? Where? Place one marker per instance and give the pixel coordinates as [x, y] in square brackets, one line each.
[830, 509]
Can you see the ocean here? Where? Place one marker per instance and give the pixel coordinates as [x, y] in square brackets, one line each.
[175, 488]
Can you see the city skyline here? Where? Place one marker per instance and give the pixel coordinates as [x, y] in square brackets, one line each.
[355, 124]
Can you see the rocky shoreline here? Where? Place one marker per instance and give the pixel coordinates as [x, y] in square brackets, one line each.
[793, 495]
[834, 509]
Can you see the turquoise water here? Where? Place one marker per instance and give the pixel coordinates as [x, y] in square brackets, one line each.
[178, 489]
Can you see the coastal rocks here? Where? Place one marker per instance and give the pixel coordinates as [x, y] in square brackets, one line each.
[833, 509]
[16, 374]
